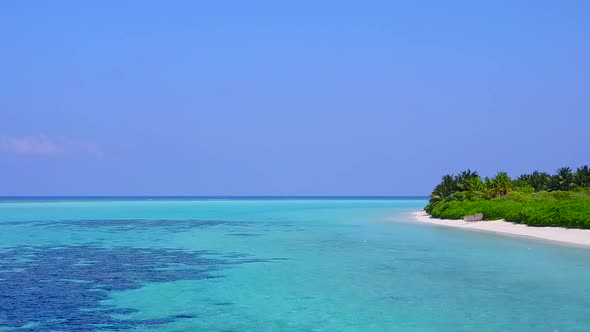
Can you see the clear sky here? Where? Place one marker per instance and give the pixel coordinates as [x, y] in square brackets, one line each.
[287, 97]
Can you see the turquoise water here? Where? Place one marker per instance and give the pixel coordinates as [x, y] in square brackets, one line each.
[276, 265]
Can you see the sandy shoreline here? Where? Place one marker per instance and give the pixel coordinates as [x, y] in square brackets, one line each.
[557, 234]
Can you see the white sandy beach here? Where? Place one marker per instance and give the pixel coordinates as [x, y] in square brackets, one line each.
[564, 235]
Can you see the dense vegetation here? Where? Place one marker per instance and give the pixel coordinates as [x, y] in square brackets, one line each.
[537, 199]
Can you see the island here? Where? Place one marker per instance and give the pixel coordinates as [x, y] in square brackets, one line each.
[537, 199]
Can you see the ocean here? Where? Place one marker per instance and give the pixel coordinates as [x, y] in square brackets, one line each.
[275, 264]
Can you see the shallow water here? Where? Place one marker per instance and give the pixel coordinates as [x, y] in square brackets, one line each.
[276, 265]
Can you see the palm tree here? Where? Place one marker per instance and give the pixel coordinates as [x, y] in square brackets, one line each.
[462, 179]
[503, 183]
[525, 178]
[538, 180]
[476, 184]
[443, 190]
[563, 180]
[500, 185]
[582, 176]
[475, 188]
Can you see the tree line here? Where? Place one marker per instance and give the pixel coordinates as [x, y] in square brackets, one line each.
[468, 185]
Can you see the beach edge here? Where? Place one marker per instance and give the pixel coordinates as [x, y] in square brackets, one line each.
[578, 237]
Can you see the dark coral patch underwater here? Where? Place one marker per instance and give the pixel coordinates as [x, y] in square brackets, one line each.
[62, 288]
[129, 224]
[237, 228]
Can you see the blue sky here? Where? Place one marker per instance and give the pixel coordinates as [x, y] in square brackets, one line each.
[287, 97]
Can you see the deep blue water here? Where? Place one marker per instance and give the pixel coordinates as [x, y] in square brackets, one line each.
[286, 264]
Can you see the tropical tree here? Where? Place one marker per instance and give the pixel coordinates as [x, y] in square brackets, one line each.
[500, 185]
[469, 186]
[462, 179]
[443, 190]
[563, 180]
[538, 180]
[475, 188]
[476, 184]
[582, 176]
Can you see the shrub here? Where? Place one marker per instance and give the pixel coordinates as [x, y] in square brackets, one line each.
[524, 200]
[573, 211]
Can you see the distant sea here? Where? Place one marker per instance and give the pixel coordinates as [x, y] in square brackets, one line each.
[274, 264]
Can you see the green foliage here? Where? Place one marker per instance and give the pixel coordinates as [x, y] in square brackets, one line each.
[499, 185]
[475, 184]
[520, 196]
[563, 180]
[538, 180]
[524, 189]
[536, 199]
[443, 190]
[572, 212]
[463, 179]
[582, 177]
[457, 196]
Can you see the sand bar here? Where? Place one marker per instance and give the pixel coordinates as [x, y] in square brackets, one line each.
[558, 234]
